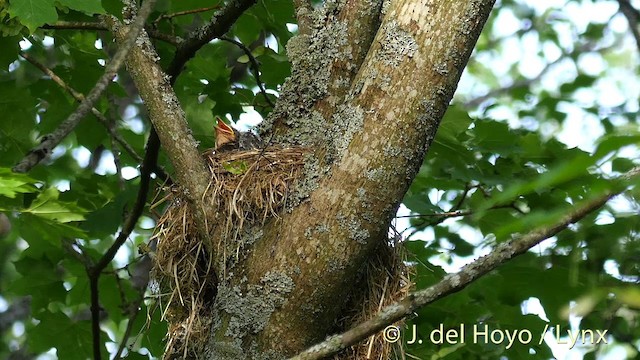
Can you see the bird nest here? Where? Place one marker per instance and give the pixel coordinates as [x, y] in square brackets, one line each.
[245, 188]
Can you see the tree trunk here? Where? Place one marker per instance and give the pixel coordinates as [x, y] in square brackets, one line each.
[371, 120]
[369, 85]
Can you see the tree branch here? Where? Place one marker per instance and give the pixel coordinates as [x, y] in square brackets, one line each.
[79, 97]
[159, 171]
[633, 17]
[50, 141]
[315, 87]
[455, 213]
[135, 309]
[101, 26]
[95, 271]
[219, 24]
[169, 122]
[181, 13]
[453, 283]
[254, 66]
[438, 218]
[515, 85]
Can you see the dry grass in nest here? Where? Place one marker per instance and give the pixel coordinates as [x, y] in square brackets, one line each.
[250, 187]
[246, 188]
[388, 279]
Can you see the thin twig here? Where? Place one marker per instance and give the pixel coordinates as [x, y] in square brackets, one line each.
[441, 217]
[50, 141]
[254, 66]
[458, 205]
[80, 255]
[457, 213]
[135, 310]
[159, 171]
[453, 283]
[180, 13]
[115, 149]
[219, 24]
[448, 214]
[79, 97]
[101, 26]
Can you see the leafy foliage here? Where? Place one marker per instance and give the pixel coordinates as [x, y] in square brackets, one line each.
[501, 165]
[493, 176]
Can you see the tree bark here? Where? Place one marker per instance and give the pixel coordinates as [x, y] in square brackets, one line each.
[169, 121]
[375, 127]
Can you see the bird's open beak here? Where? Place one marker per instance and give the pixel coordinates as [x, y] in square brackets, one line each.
[224, 133]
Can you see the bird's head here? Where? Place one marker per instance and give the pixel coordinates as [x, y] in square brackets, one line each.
[224, 133]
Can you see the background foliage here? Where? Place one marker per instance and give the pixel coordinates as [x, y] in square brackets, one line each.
[546, 110]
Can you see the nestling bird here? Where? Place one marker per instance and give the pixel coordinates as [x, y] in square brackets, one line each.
[227, 138]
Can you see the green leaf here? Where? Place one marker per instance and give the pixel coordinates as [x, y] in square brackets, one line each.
[561, 173]
[494, 136]
[622, 165]
[629, 296]
[113, 7]
[74, 341]
[10, 48]
[111, 300]
[258, 51]
[33, 13]
[225, 102]
[18, 108]
[420, 204]
[200, 118]
[47, 206]
[235, 167]
[42, 234]
[615, 142]
[107, 218]
[243, 59]
[13, 183]
[211, 65]
[492, 220]
[456, 120]
[40, 280]
[155, 329]
[274, 68]
[88, 7]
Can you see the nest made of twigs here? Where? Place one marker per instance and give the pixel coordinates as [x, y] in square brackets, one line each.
[246, 188]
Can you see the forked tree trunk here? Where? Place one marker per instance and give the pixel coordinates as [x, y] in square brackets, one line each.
[370, 83]
[382, 113]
